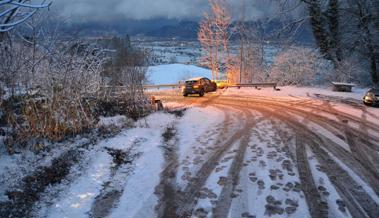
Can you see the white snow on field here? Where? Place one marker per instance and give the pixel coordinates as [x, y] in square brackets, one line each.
[173, 73]
[13, 168]
[77, 200]
[138, 198]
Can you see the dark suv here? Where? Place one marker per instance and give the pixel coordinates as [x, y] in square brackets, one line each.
[198, 86]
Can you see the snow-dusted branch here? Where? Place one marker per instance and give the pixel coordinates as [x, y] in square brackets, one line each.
[10, 25]
[13, 14]
[38, 6]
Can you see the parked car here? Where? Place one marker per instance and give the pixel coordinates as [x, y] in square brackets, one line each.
[199, 85]
[371, 97]
[221, 84]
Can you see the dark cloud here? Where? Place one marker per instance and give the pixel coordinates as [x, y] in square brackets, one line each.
[92, 10]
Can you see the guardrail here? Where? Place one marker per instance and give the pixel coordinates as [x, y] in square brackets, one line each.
[173, 86]
[255, 85]
[178, 86]
[238, 85]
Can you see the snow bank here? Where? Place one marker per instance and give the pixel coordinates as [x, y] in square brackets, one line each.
[119, 121]
[293, 91]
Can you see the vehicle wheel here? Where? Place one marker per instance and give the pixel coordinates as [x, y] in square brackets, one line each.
[214, 86]
[201, 94]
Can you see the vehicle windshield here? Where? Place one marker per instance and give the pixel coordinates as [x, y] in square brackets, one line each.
[191, 82]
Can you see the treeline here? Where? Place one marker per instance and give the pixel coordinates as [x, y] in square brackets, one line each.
[347, 30]
[346, 49]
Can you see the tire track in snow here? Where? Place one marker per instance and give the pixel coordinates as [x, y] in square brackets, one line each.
[362, 168]
[354, 193]
[166, 190]
[187, 198]
[225, 199]
[357, 199]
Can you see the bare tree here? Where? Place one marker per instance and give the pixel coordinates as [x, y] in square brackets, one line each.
[221, 20]
[251, 52]
[363, 33]
[206, 37]
[346, 30]
[214, 36]
[295, 66]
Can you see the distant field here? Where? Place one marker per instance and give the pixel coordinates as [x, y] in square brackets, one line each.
[189, 52]
[173, 73]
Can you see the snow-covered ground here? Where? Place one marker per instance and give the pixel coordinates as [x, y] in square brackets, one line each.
[206, 148]
[297, 92]
[137, 186]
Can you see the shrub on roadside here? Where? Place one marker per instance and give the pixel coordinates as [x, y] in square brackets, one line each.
[295, 66]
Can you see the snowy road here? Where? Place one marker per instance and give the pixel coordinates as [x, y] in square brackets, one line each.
[228, 155]
[283, 157]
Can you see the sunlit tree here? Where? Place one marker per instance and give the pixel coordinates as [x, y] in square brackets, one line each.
[214, 36]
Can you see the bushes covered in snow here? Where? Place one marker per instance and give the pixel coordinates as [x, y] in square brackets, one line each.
[50, 87]
[295, 66]
[304, 66]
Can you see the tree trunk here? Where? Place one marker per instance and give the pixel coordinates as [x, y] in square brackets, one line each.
[335, 39]
[373, 60]
[318, 27]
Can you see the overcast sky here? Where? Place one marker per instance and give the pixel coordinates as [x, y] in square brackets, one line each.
[93, 10]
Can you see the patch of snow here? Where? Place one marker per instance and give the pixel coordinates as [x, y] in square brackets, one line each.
[329, 135]
[14, 167]
[322, 180]
[197, 131]
[255, 180]
[119, 121]
[138, 196]
[356, 178]
[78, 199]
[174, 105]
[293, 91]
[212, 184]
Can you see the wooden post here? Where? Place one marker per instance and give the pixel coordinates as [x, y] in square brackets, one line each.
[156, 104]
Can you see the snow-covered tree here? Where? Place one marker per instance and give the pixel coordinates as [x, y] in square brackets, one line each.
[206, 38]
[344, 30]
[15, 12]
[214, 37]
[295, 66]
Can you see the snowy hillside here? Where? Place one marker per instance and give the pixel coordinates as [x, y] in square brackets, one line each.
[173, 73]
